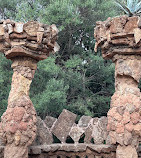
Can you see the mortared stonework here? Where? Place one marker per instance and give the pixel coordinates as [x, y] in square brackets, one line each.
[25, 44]
[120, 40]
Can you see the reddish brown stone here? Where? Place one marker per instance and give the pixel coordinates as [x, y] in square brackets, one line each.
[129, 127]
[116, 25]
[112, 112]
[11, 127]
[121, 41]
[122, 45]
[135, 118]
[126, 117]
[120, 128]
[118, 117]
[18, 36]
[18, 123]
[18, 113]
[112, 137]
[19, 51]
[137, 129]
[126, 152]
[22, 126]
[31, 28]
[131, 24]
[63, 125]
[127, 138]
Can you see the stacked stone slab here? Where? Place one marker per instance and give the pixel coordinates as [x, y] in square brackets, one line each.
[31, 39]
[119, 39]
[94, 128]
[70, 151]
[25, 44]
[89, 128]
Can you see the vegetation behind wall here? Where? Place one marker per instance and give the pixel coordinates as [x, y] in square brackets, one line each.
[75, 78]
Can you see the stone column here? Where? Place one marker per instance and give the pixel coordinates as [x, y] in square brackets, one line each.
[119, 39]
[124, 115]
[23, 44]
[19, 120]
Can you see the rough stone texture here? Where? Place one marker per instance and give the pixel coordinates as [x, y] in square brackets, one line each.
[99, 131]
[18, 123]
[120, 41]
[76, 132]
[23, 44]
[124, 117]
[62, 126]
[31, 39]
[115, 32]
[49, 121]
[84, 121]
[88, 134]
[96, 129]
[126, 152]
[44, 136]
[69, 150]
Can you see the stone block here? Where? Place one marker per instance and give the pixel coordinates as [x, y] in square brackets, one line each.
[18, 28]
[44, 136]
[97, 135]
[88, 134]
[131, 24]
[10, 28]
[35, 150]
[84, 121]
[137, 35]
[76, 132]
[1, 30]
[126, 152]
[116, 25]
[62, 126]
[19, 51]
[127, 137]
[49, 121]
[31, 28]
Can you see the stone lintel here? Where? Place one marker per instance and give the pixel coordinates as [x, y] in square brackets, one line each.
[72, 148]
[112, 51]
[63, 125]
[19, 51]
[118, 35]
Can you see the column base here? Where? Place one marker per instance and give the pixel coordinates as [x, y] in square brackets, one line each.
[12, 151]
[126, 152]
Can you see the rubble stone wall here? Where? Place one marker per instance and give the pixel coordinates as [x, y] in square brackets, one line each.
[88, 130]
[120, 40]
[25, 44]
[88, 138]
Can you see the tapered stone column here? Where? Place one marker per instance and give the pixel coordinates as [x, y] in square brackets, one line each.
[119, 39]
[25, 44]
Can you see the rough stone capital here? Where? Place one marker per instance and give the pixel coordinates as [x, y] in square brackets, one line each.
[25, 44]
[120, 40]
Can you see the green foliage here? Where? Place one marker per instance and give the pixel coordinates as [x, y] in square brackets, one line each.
[28, 10]
[74, 62]
[7, 8]
[74, 78]
[65, 13]
[52, 100]
[130, 7]
[5, 82]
